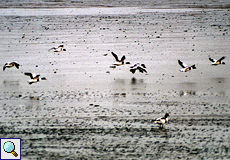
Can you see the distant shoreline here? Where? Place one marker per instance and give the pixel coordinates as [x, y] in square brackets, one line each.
[89, 11]
[163, 4]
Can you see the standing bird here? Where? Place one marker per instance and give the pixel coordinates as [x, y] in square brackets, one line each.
[217, 62]
[119, 62]
[34, 78]
[162, 120]
[11, 64]
[58, 49]
[138, 66]
[185, 68]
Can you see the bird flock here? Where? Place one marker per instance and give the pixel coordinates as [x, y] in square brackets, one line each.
[133, 68]
[34, 78]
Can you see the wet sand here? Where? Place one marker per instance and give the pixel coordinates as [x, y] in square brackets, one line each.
[87, 110]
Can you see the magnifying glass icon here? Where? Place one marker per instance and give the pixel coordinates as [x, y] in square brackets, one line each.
[9, 147]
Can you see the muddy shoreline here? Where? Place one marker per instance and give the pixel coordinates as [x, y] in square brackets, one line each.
[87, 110]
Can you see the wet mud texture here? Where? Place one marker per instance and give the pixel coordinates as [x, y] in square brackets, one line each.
[87, 110]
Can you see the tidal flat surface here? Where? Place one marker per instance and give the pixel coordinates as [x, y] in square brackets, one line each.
[87, 110]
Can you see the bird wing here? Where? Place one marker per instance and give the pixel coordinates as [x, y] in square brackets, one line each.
[182, 64]
[212, 60]
[4, 67]
[52, 48]
[16, 64]
[60, 46]
[115, 56]
[122, 59]
[141, 69]
[158, 120]
[32, 76]
[221, 58]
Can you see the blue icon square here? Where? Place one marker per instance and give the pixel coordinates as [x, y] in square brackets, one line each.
[10, 148]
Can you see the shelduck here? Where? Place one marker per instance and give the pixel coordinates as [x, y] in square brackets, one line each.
[119, 62]
[58, 49]
[34, 78]
[185, 68]
[11, 64]
[162, 120]
[138, 66]
[217, 62]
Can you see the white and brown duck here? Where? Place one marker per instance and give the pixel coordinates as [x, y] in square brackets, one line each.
[10, 65]
[34, 78]
[217, 62]
[119, 61]
[162, 120]
[185, 67]
[58, 49]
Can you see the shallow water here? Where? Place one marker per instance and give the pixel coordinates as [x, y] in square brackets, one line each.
[88, 110]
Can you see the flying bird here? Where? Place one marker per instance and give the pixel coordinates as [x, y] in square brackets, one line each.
[185, 68]
[34, 78]
[217, 62]
[119, 62]
[138, 66]
[162, 120]
[58, 49]
[11, 64]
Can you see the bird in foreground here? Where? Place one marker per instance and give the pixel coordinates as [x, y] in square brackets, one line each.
[34, 78]
[11, 64]
[185, 68]
[58, 49]
[217, 62]
[138, 66]
[119, 62]
[162, 120]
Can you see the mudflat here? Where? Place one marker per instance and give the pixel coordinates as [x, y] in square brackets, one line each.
[88, 110]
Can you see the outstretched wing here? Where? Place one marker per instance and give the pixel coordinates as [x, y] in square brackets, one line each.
[212, 60]
[4, 67]
[182, 64]
[142, 70]
[115, 56]
[52, 48]
[122, 59]
[60, 46]
[29, 74]
[16, 64]
[221, 58]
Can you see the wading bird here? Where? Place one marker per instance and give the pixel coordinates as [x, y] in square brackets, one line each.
[162, 120]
